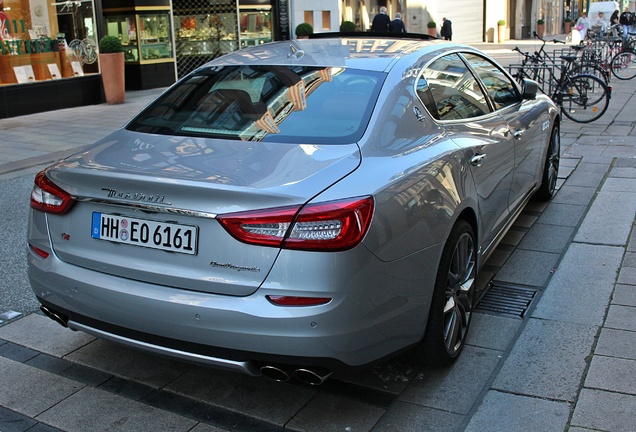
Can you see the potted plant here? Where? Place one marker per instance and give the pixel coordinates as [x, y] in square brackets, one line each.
[540, 27]
[432, 28]
[501, 30]
[347, 26]
[111, 61]
[304, 30]
[567, 25]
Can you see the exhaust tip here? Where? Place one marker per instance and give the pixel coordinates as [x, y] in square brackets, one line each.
[275, 373]
[58, 318]
[312, 377]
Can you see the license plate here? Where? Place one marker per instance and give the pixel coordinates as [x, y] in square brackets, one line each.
[165, 236]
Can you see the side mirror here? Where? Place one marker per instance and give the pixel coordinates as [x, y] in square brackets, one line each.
[529, 89]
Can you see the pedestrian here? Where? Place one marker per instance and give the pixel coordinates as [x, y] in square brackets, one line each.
[614, 18]
[627, 21]
[599, 25]
[447, 29]
[381, 22]
[582, 25]
[397, 25]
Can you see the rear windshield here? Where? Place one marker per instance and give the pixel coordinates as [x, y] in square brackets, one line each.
[266, 103]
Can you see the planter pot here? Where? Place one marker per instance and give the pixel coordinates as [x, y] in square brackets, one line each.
[567, 26]
[540, 30]
[501, 33]
[432, 32]
[112, 66]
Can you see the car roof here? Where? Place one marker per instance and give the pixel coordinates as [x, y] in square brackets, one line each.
[359, 52]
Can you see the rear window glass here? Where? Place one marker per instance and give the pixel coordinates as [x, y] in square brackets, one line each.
[266, 103]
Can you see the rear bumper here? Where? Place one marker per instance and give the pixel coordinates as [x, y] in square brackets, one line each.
[365, 321]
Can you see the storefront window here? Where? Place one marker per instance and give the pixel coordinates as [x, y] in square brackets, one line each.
[43, 40]
[256, 26]
[146, 37]
[204, 29]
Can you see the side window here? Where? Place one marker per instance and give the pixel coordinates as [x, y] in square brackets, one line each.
[455, 91]
[426, 96]
[500, 88]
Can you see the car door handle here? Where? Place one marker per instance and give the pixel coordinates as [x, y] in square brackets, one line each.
[477, 159]
[518, 134]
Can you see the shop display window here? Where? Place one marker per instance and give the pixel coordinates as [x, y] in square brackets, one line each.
[43, 40]
[256, 26]
[146, 37]
[203, 30]
[206, 34]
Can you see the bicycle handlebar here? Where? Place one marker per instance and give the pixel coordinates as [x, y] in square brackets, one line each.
[544, 40]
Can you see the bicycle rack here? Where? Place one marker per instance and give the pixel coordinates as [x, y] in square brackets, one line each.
[545, 75]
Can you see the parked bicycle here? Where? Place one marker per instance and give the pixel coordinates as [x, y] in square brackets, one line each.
[614, 55]
[582, 98]
[588, 60]
[623, 64]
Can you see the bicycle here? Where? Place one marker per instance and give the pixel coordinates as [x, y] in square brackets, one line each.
[623, 64]
[585, 63]
[582, 98]
[613, 53]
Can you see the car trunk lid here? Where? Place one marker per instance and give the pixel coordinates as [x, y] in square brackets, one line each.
[150, 185]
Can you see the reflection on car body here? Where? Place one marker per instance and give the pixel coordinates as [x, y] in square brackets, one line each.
[297, 207]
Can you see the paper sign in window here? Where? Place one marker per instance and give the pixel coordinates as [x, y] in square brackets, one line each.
[54, 71]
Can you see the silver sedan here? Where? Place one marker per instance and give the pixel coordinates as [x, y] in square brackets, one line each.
[297, 207]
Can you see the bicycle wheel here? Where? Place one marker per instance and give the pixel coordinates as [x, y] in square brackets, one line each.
[590, 69]
[583, 98]
[595, 89]
[624, 65]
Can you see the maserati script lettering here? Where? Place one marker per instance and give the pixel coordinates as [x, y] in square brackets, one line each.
[136, 196]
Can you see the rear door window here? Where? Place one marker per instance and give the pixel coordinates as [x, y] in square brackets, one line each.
[455, 92]
[501, 89]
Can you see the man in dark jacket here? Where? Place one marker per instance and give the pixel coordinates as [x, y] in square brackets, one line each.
[447, 30]
[627, 21]
[381, 22]
[397, 25]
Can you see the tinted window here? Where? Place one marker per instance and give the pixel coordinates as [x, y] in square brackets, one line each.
[500, 88]
[266, 103]
[454, 89]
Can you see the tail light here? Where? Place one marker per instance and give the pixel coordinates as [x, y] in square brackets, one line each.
[329, 226]
[47, 197]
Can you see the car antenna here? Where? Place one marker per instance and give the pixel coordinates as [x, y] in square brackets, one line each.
[295, 52]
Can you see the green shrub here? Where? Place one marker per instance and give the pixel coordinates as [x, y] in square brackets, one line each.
[540, 21]
[501, 23]
[304, 29]
[431, 24]
[110, 44]
[567, 19]
[347, 26]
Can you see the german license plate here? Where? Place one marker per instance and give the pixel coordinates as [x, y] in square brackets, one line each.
[165, 236]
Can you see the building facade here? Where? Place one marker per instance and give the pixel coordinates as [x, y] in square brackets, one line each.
[49, 57]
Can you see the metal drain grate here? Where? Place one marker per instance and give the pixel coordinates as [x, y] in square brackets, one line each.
[506, 299]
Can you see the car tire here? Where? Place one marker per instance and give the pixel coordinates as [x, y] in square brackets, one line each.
[453, 298]
[550, 167]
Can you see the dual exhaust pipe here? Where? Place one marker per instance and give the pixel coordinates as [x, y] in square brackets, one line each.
[55, 316]
[313, 376]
